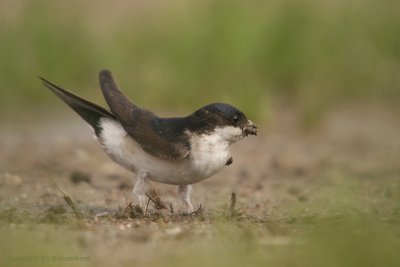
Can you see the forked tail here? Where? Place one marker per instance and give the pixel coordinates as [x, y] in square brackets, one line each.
[89, 111]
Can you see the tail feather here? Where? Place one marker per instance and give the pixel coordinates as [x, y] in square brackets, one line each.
[89, 111]
[119, 103]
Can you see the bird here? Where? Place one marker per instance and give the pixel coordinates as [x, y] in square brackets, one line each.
[178, 151]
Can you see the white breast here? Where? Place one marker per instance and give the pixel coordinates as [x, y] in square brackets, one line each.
[208, 155]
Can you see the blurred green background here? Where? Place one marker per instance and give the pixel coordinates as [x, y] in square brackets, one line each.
[184, 54]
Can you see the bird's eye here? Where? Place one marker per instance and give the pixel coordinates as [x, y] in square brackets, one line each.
[236, 118]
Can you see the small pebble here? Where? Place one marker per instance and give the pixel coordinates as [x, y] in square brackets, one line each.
[11, 179]
[102, 214]
[173, 231]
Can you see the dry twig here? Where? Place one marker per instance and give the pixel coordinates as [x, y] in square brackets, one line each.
[197, 212]
[233, 204]
[159, 204]
[69, 201]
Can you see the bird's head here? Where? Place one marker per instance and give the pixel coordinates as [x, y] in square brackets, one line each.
[226, 121]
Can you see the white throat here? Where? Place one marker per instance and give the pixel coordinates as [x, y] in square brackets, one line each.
[210, 152]
[229, 134]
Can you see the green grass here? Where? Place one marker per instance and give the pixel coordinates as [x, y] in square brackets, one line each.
[186, 54]
[352, 244]
[347, 222]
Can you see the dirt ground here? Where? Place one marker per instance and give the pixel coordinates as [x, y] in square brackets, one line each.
[279, 178]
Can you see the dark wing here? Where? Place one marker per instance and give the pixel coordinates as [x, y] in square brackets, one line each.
[158, 138]
[89, 111]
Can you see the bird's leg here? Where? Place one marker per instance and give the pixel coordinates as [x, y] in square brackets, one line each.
[184, 193]
[142, 185]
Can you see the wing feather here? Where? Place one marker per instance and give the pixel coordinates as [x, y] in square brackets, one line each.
[161, 138]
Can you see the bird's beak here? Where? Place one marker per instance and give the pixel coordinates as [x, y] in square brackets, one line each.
[250, 128]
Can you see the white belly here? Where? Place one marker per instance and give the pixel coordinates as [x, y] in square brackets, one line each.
[208, 155]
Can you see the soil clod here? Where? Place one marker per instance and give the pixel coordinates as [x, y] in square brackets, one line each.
[78, 176]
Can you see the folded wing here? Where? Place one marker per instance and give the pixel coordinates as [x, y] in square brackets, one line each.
[155, 135]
